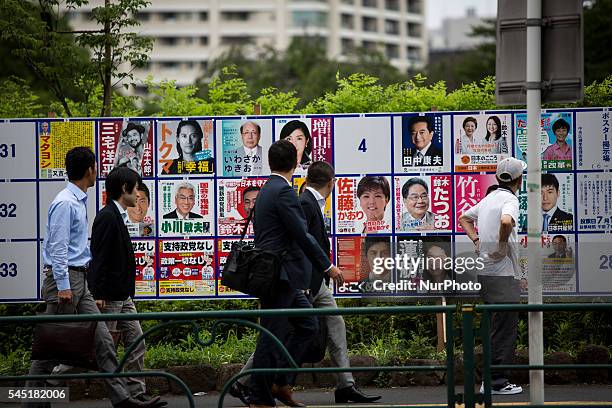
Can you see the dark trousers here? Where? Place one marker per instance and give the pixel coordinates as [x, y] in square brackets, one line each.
[501, 289]
[267, 354]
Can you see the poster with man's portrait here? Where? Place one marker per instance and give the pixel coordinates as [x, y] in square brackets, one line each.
[312, 138]
[185, 147]
[125, 143]
[481, 141]
[243, 146]
[141, 217]
[423, 203]
[363, 205]
[235, 201]
[187, 268]
[185, 208]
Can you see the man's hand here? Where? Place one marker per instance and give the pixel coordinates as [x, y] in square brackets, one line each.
[336, 274]
[64, 296]
[101, 304]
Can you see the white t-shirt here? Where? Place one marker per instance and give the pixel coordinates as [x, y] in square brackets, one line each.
[487, 215]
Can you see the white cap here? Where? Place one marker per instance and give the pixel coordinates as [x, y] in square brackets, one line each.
[510, 169]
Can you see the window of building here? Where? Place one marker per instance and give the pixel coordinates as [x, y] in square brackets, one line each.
[413, 29]
[204, 40]
[414, 53]
[168, 16]
[391, 51]
[369, 24]
[169, 65]
[347, 21]
[392, 5]
[308, 18]
[414, 6]
[203, 15]
[370, 46]
[236, 40]
[369, 3]
[347, 46]
[167, 41]
[351, 2]
[143, 16]
[235, 15]
[88, 16]
[203, 65]
[391, 27]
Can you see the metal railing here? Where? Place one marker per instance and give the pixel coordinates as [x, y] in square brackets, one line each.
[236, 317]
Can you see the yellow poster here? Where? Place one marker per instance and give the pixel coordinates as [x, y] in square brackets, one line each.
[57, 139]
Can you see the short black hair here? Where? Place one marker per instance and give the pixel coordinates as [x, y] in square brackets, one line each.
[560, 123]
[549, 179]
[198, 130]
[78, 161]
[368, 242]
[411, 182]
[289, 128]
[117, 179]
[560, 236]
[373, 183]
[282, 156]
[319, 174]
[491, 189]
[420, 119]
[249, 189]
[143, 187]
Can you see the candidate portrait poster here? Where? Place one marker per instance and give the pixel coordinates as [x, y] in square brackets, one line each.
[235, 201]
[469, 191]
[481, 141]
[144, 252]
[312, 138]
[185, 208]
[556, 139]
[423, 203]
[55, 139]
[125, 143]
[594, 202]
[356, 258]
[224, 247]
[185, 147]
[141, 217]
[186, 268]
[558, 262]
[243, 146]
[363, 205]
[593, 136]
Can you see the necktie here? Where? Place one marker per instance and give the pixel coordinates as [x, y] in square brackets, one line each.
[545, 218]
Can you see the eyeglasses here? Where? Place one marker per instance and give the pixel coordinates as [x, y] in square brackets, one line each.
[415, 197]
[186, 198]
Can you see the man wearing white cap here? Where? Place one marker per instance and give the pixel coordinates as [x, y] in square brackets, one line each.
[497, 240]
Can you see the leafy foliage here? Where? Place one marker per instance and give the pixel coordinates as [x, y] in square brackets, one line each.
[17, 100]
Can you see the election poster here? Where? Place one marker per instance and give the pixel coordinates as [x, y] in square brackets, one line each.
[299, 184]
[423, 203]
[243, 146]
[556, 139]
[363, 274]
[125, 143]
[235, 201]
[362, 140]
[469, 190]
[593, 136]
[363, 205]
[481, 141]
[186, 268]
[557, 202]
[55, 139]
[185, 147]
[594, 202]
[312, 138]
[224, 247]
[141, 217]
[144, 252]
[422, 143]
[185, 208]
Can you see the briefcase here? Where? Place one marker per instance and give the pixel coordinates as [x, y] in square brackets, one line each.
[70, 343]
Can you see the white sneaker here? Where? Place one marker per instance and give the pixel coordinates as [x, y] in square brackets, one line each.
[506, 389]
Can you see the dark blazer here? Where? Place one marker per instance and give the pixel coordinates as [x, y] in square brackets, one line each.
[431, 152]
[562, 219]
[112, 270]
[279, 224]
[172, 215]
[316, 228]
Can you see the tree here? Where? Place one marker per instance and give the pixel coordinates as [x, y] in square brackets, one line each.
[597, 34]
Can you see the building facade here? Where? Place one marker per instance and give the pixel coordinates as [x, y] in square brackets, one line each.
[190, 33]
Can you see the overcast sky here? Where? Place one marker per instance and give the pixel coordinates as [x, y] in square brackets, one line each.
[437, 10]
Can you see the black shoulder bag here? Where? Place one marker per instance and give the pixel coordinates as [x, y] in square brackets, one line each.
[251, 270]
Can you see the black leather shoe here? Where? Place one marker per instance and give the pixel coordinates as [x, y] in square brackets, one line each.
[352, 394]
[134, 403]
[147, 398]
[240, 391]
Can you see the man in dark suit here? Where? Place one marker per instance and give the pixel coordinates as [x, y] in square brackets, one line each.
[185, 201]
[421, 134]
[112, 272]
[279, 225]
[553, 218]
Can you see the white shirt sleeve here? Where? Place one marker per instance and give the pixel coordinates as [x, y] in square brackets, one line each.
[473, 212]
[511, 208]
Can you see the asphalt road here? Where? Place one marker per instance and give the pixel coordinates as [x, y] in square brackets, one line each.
[392, 397]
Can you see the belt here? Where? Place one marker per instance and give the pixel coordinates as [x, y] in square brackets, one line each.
[74, 268]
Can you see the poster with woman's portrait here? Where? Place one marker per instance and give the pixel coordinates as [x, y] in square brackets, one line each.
[187, 268]
[481, 141]
[312, 138]
[125, 143]
[235, 201]
[363, 205]
[141, 217]
[423, 203]
[185, 208]
[185, 147]
[361, 260]
[243, 146]
[422, 143]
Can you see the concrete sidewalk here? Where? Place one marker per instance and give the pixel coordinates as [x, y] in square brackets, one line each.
[392, 397]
